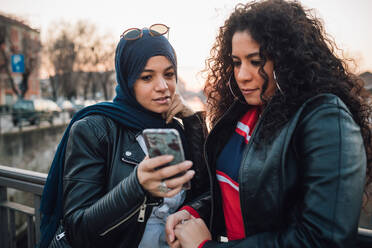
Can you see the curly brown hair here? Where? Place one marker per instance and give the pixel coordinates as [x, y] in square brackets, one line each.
[304, 62]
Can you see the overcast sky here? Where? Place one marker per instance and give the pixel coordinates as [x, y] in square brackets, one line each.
[194, 23]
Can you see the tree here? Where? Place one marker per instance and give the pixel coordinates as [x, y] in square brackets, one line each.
[77, 54]
[95, 59]
[30, 49]
[102, 61]
[60, 56]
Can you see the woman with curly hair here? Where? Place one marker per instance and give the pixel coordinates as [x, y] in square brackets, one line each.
[290, 145]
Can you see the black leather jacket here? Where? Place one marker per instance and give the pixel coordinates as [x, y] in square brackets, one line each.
[101, 193]
[303, 189]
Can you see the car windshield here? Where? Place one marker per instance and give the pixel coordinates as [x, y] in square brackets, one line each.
[23, 105]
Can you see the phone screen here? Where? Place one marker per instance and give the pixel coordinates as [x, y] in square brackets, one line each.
[165, 142]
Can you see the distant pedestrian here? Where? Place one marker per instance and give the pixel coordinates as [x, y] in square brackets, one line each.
[290, 145]
[101, 191]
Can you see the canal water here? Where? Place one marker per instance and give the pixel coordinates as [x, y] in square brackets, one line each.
[31, 148]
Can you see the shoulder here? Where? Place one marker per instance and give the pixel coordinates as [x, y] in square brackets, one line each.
[326, 113]
[97, 125]
[319, 105]
[323, 101]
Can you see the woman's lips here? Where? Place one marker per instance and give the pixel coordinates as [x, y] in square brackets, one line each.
[162, 100]
[248, 91]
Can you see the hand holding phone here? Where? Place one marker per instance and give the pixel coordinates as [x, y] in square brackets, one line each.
[165, 142]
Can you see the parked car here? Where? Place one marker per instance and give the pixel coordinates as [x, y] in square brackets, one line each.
[46, 105]
[32, 111]
[69, 107]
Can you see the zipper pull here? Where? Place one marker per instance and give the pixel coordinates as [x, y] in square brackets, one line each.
[59, 236]
[141, 215]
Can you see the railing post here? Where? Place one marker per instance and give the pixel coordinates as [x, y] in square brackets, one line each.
[37, 200]
[30, 231]
[12, 229]
[4, 235]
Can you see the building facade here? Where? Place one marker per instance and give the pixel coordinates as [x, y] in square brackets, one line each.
[18, 38]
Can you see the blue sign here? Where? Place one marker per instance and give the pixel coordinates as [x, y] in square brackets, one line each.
[18, 63]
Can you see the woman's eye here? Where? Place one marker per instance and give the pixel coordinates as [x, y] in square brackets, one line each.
[256, 62]
[169, 74]
[146, 78]
[236, 63]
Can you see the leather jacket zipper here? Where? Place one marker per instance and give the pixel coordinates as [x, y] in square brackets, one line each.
[208, 167]
[142, 211]
[129, 162]
[245, 152]
[61, 235]
[127, 218]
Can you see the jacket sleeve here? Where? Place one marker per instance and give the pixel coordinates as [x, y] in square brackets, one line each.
[196, 131]
[333, 165]
[89, 210]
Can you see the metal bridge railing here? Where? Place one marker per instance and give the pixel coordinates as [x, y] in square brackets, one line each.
[33, 182]
[27, 181]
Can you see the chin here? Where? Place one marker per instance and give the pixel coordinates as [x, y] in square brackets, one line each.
[160, 110]
[254, 102]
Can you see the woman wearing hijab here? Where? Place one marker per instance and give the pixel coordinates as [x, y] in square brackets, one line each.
[102, 190]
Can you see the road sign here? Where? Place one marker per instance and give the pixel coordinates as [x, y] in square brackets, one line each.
[18, 63]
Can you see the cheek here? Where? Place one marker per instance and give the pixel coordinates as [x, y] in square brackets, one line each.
[172, 87]
[142, 92]
[270, 88]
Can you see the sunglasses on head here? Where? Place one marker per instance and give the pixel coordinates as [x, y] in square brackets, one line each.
[154, 30]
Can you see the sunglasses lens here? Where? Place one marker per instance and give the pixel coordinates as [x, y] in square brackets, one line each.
[158, 29]
[131, 34]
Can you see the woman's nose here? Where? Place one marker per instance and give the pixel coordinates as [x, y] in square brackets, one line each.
[161, 84]
[244, 74]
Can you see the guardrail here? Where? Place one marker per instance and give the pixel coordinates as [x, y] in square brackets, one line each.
[27, 181]
[33, 182]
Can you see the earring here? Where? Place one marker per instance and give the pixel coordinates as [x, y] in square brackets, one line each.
[232, 92]
[276, 83]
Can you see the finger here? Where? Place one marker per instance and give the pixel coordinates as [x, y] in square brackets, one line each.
[152, 163]
[172, 170]
[199, 221]
[176, 97]
[173, 110]
[171, 223]
[173, 220]
[178, 230]
[172, 192]
[177, 109]
[169, 226]
[181, 180]
[175, 101]
[175, 244]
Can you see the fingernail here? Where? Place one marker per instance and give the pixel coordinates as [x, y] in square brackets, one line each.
[191, 172]
[188, 163]
[170, 238]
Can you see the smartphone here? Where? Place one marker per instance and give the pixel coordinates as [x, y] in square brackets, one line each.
[165, 142]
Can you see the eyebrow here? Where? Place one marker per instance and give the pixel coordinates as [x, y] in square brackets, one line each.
[247, 56]
[166, 69]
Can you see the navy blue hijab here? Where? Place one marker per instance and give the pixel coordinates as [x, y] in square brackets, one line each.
[130, 59]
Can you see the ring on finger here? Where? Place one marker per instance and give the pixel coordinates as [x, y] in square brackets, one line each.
[163, 188]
